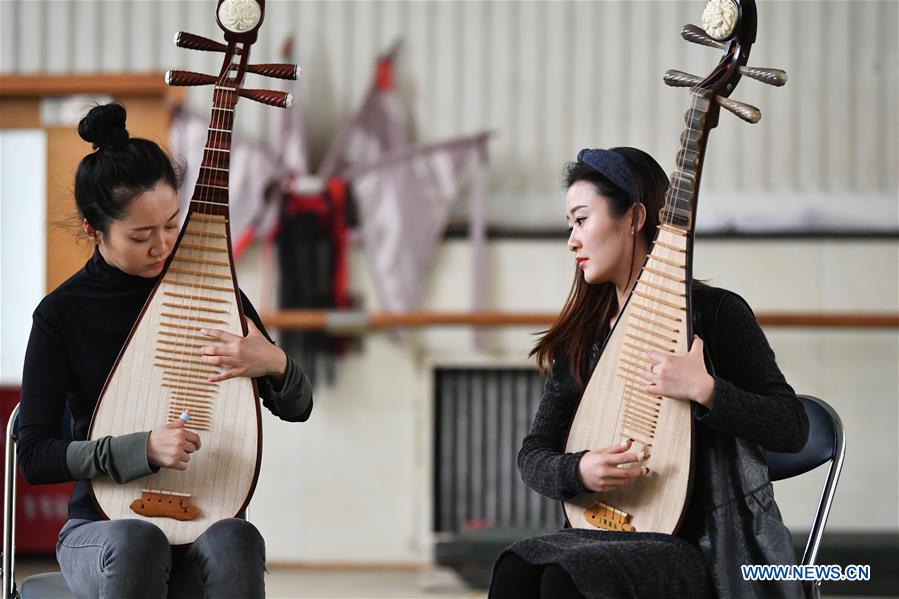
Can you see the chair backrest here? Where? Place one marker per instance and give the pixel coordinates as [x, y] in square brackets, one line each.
[826, 443]
[9, 507]
[8, 568]
[66, 426]
[825, 433]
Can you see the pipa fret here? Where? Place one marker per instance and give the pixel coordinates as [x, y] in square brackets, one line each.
[658, 287]
[191, 260]
[659, 301]
[664, 275]
[195, 307]
[195, 285]
[656, 312]
[655, 334]
[204, 248]
[668, 246]
[192, 297]
[193, 318]
[197, 273]
[655, 323]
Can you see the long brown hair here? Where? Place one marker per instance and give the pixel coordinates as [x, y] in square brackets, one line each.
[587, 311]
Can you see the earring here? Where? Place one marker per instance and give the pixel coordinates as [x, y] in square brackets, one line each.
[91, 232]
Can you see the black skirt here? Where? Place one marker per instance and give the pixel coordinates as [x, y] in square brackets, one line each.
[616, 565]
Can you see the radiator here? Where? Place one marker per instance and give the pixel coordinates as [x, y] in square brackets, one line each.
[481, 416]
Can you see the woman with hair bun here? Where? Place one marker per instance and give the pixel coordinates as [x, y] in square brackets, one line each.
[126, 196]
[740, 403]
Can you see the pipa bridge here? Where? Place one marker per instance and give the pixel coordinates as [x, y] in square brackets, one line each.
[604, 516]
[156, 503]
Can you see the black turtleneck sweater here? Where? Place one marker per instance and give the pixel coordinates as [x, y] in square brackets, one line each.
[76, 335]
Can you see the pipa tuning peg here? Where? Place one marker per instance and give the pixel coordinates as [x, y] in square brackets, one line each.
[270, 97]
[279, 71]
[748, 113]
[173, 77]
[198, 42]
[675, 78]
[774, 77]
[695, 34]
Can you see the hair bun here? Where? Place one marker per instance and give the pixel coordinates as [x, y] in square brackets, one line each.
[104, 126]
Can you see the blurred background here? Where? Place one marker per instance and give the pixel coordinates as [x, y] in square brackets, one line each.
[415, 180]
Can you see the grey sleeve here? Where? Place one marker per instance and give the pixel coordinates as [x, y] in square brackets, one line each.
[293, 401]
[123, 458]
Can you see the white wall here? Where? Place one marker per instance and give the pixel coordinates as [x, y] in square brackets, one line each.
[22, 246]
[549, 78]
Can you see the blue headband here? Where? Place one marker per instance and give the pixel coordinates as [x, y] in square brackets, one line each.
[611, 165]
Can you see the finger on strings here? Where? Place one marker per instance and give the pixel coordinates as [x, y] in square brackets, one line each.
[632, 472]
[252, 329]
[654, 356]
[228, 374]
[622, 458]
[193, 438]
[214, 350]
[617, 448]
[217, 334]
[219, 360]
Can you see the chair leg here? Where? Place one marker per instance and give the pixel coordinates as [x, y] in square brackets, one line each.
[815, 590]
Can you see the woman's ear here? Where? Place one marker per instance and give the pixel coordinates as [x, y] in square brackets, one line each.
[638, 217]
[90, 231]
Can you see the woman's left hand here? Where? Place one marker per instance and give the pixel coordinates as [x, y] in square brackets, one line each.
[250, 356]
[681, 376]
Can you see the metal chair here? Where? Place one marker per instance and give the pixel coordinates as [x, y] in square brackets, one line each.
[50, 584]
[826, 443]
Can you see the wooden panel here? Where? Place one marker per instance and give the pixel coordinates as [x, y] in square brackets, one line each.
[67, 249]
[66, 253]
[125, 84]
[147, 100]
[19, 113]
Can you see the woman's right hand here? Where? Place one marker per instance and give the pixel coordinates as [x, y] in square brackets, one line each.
[170, 446]
[599, 470]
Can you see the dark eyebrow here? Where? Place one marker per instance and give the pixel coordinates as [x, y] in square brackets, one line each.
[148, 227]
[573, 210]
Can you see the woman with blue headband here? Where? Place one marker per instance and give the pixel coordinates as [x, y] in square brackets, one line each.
[741, 404]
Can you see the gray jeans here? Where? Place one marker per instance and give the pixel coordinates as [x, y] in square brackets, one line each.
[132, 558]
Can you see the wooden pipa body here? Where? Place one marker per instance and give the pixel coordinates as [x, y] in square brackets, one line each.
[158, 374]
[615, 406]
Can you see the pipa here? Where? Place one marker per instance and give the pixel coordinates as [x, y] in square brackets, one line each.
[656, 315]
[158, 373]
